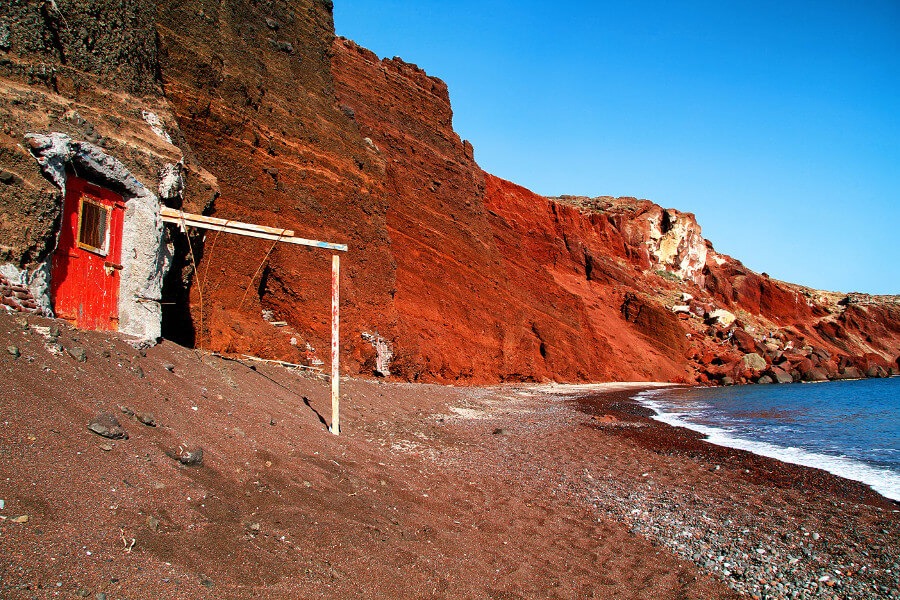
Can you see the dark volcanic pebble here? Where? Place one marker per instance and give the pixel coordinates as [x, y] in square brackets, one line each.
[106, 425]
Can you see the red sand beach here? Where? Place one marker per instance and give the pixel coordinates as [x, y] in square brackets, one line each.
[430, 491]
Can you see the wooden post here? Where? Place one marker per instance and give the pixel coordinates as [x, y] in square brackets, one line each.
[184, 219]
[335, 345]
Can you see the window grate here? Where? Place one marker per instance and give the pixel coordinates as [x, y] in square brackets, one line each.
[93, 222]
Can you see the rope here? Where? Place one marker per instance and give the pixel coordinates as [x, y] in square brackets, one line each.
[265, 258]
[209, 254]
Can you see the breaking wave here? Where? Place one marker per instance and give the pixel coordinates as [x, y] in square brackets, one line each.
[703, 417]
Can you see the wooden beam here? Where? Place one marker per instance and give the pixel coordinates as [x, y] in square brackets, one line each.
[172, 213]
[183, 219]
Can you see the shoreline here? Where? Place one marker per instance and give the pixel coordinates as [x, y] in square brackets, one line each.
[837, 466]
[684, 439]
[766, 527]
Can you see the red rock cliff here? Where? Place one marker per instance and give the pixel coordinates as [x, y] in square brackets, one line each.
[453, 275]
[497, 283]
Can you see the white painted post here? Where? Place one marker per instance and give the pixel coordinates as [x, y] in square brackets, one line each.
[335, 345]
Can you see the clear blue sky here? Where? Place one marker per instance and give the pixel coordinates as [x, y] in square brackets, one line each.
[776, 123]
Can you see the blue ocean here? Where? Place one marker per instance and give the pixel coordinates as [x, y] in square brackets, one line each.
[848, 428]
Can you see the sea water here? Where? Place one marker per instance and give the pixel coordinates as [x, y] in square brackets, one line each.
[848, 428]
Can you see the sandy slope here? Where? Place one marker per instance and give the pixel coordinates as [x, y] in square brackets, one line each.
[502, 492]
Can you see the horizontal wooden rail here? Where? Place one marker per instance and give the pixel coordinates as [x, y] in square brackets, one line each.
[177, 217]
[177, 214]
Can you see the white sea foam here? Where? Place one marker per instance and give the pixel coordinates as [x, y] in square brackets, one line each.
[884, 481]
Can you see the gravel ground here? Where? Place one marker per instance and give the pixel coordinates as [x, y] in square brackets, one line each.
[429, 491]
[791, 560]
[765, 528]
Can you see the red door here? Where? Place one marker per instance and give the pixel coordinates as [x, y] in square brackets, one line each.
[84, 282]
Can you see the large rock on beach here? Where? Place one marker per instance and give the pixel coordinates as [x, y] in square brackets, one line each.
[813, 374]
[876, 371]
[753, 361]
[744, 341]
[779, 375]
[850, 372]
[106, 425]
[803, 365]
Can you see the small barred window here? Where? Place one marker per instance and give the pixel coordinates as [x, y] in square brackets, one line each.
[93, 221]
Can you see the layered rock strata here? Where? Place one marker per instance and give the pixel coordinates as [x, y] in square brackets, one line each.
[453, 275]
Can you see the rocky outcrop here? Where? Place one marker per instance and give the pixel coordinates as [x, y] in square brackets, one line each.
[673, 240]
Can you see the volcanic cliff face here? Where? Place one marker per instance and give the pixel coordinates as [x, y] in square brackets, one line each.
[489, 285]
[251, 85]
[497, 283]
[452, 274]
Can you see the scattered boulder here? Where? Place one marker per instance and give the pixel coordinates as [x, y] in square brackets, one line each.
[779, 375]
[803, 365]
[764, 380]
[876, 371]
[753, 361]
[813, 374]
[14, 350]
[605, 419]
[744, 341]
[143, 418]
[153, 523]
[106, 425]
[699, 309]
[146, 419]
[708, 358]
[720, 316]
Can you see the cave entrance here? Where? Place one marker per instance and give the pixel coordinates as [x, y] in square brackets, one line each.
[184, 220]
